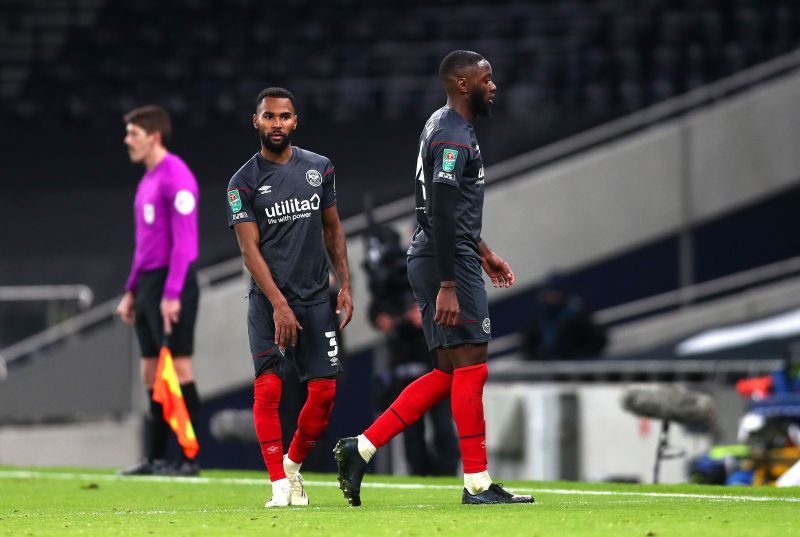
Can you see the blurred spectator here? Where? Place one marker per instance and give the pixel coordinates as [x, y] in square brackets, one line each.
[394, 312]
[409, 358]
[562, 327]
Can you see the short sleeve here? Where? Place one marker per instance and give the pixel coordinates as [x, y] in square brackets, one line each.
[328, 186]
[240, 203]
[450, 153]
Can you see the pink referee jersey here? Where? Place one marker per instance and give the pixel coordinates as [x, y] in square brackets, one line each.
[165, 212]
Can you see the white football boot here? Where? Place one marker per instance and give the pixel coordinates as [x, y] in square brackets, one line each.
[281, 494]
[296, 488]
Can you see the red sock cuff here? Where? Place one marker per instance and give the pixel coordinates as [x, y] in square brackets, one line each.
[268, 380]
[470, 368]
[444, 377]
[317, 385]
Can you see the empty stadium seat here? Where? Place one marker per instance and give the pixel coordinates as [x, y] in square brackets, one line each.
[575, 54]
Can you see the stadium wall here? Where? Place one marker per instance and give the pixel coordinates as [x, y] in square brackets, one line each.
[643, 188]
[608, 202]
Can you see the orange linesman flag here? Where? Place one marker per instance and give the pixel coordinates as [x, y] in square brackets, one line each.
[167, 391]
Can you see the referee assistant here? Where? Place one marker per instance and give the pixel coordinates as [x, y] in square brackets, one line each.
[161, 292]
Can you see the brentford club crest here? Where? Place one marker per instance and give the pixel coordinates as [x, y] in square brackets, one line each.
[313, 177]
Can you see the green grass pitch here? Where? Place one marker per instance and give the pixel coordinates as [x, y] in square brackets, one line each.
[69, 501]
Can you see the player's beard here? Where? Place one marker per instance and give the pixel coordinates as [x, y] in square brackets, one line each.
[479, 104]
[273, 147]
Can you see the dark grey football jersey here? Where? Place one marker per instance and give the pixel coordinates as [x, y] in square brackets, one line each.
[449, 153]
[286, 201]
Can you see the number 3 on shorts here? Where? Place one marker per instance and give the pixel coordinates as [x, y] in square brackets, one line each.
[333, 354]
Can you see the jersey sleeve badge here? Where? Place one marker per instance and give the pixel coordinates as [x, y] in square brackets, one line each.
[185, 202]
[314, 178]
[449, 160]
[234, 200]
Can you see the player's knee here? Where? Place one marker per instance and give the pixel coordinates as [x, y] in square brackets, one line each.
[478, 372]
[148, 378]
[267, 391]
[468, 355]
[321, 392]
[322, 389]
[183, 369]
[148, 371]
[444, 366]
[443, 360]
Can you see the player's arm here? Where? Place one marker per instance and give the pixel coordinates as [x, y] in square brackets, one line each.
[184, 243]
[336, 245]
[444, 198]
[286, 325]
[498, 270]
[450, 153]
[125, 308]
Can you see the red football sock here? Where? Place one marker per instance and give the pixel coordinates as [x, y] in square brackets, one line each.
[410, 405]
[313, 418]
[467, 405]
[267, 391]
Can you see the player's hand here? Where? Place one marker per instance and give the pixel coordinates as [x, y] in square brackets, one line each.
[170, 313]
[125, 308]
[286, 326]
[344, 302]
[448, 312]
[498, 270]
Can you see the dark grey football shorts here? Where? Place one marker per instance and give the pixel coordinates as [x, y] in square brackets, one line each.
[475, 326]
[149, 324]
[317, 352]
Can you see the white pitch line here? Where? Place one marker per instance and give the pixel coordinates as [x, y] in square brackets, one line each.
[134, 512]
[161, 512]
[14, 474]
[681, 495]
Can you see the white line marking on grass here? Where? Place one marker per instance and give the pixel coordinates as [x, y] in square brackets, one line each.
[12, 474]
[143, 512]
[680, 495]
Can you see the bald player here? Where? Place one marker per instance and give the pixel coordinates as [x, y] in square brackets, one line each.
[444, 268]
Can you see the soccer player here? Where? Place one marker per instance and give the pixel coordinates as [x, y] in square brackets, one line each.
[282, 206]
[161, 293]
[444, 268]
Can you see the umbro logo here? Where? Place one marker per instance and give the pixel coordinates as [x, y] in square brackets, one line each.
[266, 189]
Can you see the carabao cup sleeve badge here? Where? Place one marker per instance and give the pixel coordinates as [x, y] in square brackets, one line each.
[234, 200]
[449, 160]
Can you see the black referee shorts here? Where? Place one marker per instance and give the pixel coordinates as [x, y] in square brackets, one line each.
[317, 352]
[149, 324]
[475, 326]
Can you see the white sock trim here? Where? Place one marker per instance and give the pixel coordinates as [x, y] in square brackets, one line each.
[365, 448]
[280, 484]
[477, 483]
[291, 467]
[281, 494]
